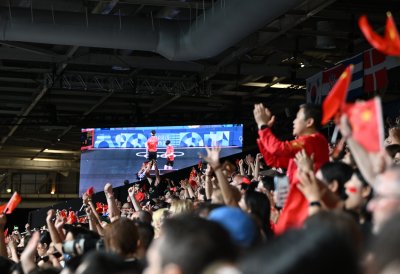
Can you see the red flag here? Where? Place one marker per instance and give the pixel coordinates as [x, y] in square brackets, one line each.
[63, 214]
[336, 98]
[366, 122]
[389, 44]
[99, 207]
[295, 211]
[246, 181]
[90, 191]
[82, 220]
[2, 207]
[71, 218]
[12, 203]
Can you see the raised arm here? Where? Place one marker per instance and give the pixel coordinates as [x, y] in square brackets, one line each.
[113, 211]
[28, 255]
[54, 235]
[212, 159]
[135, 203]
[12, 245]
[360, 155]
[257, 166]
[241, 167]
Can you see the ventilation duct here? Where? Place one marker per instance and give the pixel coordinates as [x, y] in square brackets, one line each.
[211, 33]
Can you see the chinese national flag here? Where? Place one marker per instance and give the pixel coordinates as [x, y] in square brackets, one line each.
[336, 98]
[90, 191]
[389, 44]
[71, 218]
[366, 122]
[12, 203]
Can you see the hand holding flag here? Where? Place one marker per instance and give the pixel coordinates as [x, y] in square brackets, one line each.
[89, 192]
[366, 123]
[12, 203]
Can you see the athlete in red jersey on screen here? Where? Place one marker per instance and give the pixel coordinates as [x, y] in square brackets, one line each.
[151, 146]
[169, 155]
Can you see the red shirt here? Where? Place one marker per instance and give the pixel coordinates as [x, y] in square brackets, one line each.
[139, 196]
[170, 153]
[152, 143]
[279, 153]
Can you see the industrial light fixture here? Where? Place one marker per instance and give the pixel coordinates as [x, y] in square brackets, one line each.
[9, 190]
[255, 84]
[45, 159]
[276, 85]
[60, 151]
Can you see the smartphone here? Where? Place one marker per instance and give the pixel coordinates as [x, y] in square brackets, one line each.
[281, 183]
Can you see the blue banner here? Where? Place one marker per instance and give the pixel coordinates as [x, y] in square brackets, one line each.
[227, 135]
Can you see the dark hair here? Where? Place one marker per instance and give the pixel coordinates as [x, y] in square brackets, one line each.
[49, 270]
[314, 112]
[167, 142]
[121, 237]
[153, 132]
[312, 251]
[6, 264]
[146, 233]
[196, 243]
[392, 150]
[260, 208]
[338, 171]
[45, 238]
[364, 212]
[145, 217]
[268, 183]
[100, 262]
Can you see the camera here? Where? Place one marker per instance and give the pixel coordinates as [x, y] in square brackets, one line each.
[82, 245]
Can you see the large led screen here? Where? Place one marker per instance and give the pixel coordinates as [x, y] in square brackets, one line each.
[116, 155]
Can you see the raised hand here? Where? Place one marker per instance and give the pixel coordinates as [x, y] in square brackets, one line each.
[308, 185]
[50, 215]
[263, 116]
[27, 256]
[212, 157]
[304, 163]
[85, 198]
[108, 189]
[344, 127]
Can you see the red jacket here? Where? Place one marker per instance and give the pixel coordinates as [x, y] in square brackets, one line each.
[279, 153]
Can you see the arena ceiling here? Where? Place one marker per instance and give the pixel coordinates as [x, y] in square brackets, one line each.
[69, 64]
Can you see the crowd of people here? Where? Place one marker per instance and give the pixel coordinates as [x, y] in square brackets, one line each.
[299, 206]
